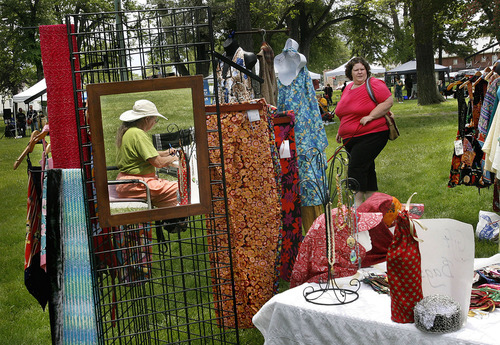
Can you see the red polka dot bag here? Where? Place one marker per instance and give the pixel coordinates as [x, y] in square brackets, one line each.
[404, 270]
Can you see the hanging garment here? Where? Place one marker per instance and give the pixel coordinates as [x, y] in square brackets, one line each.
[35, 277]
[253, 208]
[477, 101]
[72, 317]
[490, 146]
[310, 136]
[268, 88]
[466, 168]
[488, 109]
[235, 86]
[291, 232]
[184, 180]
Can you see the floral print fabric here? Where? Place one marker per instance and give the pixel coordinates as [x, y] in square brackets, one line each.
[253, 207]
[310, 136]
[234, 86]
[312, 262]
[291, 232]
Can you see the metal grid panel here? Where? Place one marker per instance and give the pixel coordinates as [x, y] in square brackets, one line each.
[152, 286]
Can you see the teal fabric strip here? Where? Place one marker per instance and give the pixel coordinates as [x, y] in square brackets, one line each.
[79, 314]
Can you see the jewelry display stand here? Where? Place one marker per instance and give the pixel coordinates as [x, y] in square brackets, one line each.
[336, 191]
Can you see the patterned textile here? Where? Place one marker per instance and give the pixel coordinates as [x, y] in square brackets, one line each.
[477, 101]
[254, 210]
[467, 168]
[380, 236]
[35, 277]
[73, 319]
[310, 134]
[268, 88]
[54, 46]
[404, 270]
[79, 314]
[312, 262]
[291, 232]
[491, 146]
[235, 86]
[487, 110]
[184, 180]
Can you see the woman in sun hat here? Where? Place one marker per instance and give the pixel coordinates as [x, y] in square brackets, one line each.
[137, 158]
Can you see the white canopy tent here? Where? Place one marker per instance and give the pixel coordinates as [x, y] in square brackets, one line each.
[315, 76]
[32, 93]
[341, 70]
[410, 67]
[27, 96]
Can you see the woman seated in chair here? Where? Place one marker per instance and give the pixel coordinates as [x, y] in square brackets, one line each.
[137, 158]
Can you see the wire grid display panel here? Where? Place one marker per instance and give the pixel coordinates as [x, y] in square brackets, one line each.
[153, 286]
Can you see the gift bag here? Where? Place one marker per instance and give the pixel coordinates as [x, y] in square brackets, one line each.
[404, 270]
[488, 226]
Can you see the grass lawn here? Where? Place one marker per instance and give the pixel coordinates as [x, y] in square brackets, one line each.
[418, 161]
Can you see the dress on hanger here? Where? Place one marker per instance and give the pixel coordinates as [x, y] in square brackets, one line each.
[300, 97]
[488, 109]
[291, 233]
[268, 88]
[235, 86]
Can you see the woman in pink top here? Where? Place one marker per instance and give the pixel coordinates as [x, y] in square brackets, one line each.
[363, 128]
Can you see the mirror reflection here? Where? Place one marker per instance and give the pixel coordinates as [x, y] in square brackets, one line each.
[149, 157]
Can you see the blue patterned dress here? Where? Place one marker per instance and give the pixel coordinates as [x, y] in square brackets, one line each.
[310, 136]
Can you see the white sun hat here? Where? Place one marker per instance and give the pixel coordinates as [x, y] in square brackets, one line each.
[289, 63]
[142, 108]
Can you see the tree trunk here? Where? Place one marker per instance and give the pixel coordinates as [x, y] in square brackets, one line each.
[243, 23]
[423, 19]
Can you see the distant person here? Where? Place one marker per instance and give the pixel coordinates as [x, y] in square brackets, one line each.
[21, 122]
[414, 89]
[408, 85]
[328, 93]
[398, 90]
[343, 86]
[32, 117]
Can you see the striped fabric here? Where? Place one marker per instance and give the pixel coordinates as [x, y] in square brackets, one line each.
[79, 324]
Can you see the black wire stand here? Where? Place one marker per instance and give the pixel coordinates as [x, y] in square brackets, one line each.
[333, 185]
[151, 285]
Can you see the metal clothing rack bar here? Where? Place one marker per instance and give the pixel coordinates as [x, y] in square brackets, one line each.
[238, 67]
[259, 31]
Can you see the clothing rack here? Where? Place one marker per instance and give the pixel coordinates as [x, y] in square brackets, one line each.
[261, 31]
[238, 67]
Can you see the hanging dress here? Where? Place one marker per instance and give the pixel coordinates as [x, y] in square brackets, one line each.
[269, 87]
[310, 136]
[234, 86]
[291, 232]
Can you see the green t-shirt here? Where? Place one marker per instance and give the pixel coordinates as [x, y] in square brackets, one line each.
[137, 147]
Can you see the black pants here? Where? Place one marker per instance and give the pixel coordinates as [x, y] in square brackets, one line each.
[362, 153]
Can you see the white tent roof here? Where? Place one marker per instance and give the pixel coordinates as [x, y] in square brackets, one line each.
[32, 93]
[341, 70]
[411, 67]
[315, 76]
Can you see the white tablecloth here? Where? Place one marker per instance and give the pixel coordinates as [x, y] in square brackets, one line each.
[288, 319]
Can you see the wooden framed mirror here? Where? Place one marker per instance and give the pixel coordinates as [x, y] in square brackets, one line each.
[181, 100]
